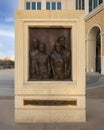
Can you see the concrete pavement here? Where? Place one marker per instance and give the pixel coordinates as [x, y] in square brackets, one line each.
[95, 106]
[94, 80]
[95, 118]
[7, 82]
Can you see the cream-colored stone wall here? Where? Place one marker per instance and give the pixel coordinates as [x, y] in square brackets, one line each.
[86, 7]
[50, 90]
[70, 5]
[96, 20]
[58, 15]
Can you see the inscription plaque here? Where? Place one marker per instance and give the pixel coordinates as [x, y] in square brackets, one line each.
[50, 102]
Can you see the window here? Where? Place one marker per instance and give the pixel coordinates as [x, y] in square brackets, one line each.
[83, 5]
[53, 5]
[33, 5]
[100, 1]
[77, 4]
[93, 4]
[90, 5]
[28, 5]
[38, 5]
[80, 4]
[47, 5]
[58, 5]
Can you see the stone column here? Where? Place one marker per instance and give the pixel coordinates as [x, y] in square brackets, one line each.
[43, 4]
[21, 4]
[91, 55]
[86, 7]
[63, 5]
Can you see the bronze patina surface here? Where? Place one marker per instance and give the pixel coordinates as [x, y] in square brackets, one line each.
[50, 102]
[50, 54]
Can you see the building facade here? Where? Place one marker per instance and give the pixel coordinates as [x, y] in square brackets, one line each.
[94, 24]
[57, 97]
[52, 4]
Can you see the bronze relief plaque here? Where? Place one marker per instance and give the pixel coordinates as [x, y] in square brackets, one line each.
[50, 54]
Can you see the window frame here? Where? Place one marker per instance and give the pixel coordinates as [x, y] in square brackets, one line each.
[28, 2]
[80, 4]
[47, 2]
[56, 5]
[53, 5]
[100, 2]
[93, 6]
[31, 6]
[38, 2]
[60, 5]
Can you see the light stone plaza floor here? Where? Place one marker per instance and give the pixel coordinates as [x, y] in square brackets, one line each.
[95, 106]
[7, 82]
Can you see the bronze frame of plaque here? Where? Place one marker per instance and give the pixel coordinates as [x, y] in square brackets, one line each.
[49, 36]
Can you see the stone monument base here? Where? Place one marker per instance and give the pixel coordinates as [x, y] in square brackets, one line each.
[47, 115]
[50, 101]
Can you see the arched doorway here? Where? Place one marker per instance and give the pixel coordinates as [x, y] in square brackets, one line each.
[94, 50]
[98, 53]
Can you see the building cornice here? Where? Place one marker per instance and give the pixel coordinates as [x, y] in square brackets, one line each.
[94, 12]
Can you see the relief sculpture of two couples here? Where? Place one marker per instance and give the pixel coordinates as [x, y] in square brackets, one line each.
[55, 66]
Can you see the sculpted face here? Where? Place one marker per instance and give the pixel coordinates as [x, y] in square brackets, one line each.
[62, 41]
[42, 47]
[35, 43]
[58, 47]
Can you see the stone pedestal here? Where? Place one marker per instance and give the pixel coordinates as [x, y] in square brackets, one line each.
[50, 101]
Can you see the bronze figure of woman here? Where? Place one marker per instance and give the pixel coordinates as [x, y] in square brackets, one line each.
[42, 63]
[33, 52]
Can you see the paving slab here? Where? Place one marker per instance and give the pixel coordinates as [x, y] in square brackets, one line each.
[95, 106]
[7, 82]
[95, 118]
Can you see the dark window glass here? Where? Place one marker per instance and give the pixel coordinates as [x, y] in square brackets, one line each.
[53, 5]
[77, 4]
[33, 5]
[83, 4]
[58, 5]
[28, 5]
[100, 1]
[38, 5]
[90, 5]
[95, 3]
[48, 6]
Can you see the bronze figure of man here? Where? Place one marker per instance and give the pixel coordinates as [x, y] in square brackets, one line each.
[67, 56]
[57, 62]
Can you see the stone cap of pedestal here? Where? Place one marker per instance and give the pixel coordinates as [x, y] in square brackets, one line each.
[50, 15]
